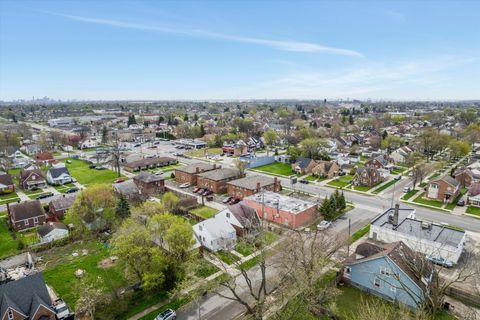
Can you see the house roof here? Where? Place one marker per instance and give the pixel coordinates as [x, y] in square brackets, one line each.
[43, 156]
[244, 214]
[58, 171]
[27, 174]
[49, 227]
[302, 163]
[251, 182]
[447, 179]
[64, 202]
[26, 210]
[217, 226]
[474, 189]
[150, 161]
[220, 174]
[127, 188]
[148, 177]
[406, 259]
[24, 295]
[6, 179]
[192, 168]
[368, 170]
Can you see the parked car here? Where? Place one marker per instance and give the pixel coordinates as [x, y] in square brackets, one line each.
[209, 198]
[72, 190]
[138, 145]
[100, 168]
[234, 201]
[168, 314]
[227, 199]
[440, 261]
[398, 177]
[184, 185]
[342, 173]
[119, 180]
[304, 181]
[45, 195]
[209, 192]
[196, 189]
[461, 203]
[324, 225]
[406, 189]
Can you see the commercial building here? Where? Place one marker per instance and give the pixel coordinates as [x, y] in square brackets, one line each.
[189, 173]
[247, 186]
[216, 180]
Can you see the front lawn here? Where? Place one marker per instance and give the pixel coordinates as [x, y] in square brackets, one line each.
[204, 269]
[244, 249]
[409, 194]
[279, 168]
[227, 257]
[359, 233]
[65, 187]
[473, 210]
[250, 263]
[434, 203]
[398, 170]
[204, 212]
[385, 186]
[9, 198]
[338, 183]
[362, 188]
[80, 170]
[8, 246]
[61, 265]
[311, 178]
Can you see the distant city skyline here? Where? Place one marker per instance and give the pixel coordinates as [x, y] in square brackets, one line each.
[212, 50]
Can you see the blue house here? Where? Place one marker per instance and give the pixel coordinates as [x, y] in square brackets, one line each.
[392, 271]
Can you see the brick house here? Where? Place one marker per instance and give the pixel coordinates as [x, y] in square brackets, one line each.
[149, 184]
[466, 176]
[26, 215]
[216, 180]
[239, 148]
[44, 158]
[57, 208]
[189, 173]
[380, 162]
[367, 177]
[6, 183]
[291, 212]
[150, 163]
[445, 189]
[244, 187]
[26, 298]
[473, 198]
[303, 165]
[328, 169]
[31, 179]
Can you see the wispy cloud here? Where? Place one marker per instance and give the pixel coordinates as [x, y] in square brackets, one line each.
[285, 45]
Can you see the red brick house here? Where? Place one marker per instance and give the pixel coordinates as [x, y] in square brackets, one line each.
[57, 208]
[216, 180]
[445, 189]
[244, 187]
[291, 212]
[189, 173]
[150, 163]
[303, 165]
[466, 176]
[26, 298]
[44, 158]
[235, 149]
[26, 215]
[6, 183]
[328, 169]
[381, 162]
[149, 184]
[367, 177]
[32, 179]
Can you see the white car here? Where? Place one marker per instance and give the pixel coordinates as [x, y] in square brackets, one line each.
[184, 185]
[168, 314]
[324, 225]
[406, 189]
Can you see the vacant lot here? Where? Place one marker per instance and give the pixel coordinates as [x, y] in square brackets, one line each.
[8, 246]
[204, 212]
[80, 170]
[279, 168]
[200, 153]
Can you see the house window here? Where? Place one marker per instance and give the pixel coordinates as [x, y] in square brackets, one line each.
[10, 315]
[393, 289]
[434, 186]
[376, 282]
[385, 271]
[26, 222]
[35, 220]
[228, 214]
[348, 270]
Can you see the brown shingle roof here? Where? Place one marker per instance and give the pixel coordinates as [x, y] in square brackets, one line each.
[26, 210]
[6, 179]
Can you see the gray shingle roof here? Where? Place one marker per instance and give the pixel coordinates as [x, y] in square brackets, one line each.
[63, 202]
[57, 172]
[192, 168]
[148, 177]
[26, 210]
[250, 182]
[220, 174]
[49, 227]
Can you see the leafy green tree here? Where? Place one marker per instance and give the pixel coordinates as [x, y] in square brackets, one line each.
[350, 119]
[458, 149]
[293, 152]
[131, 120]
[169, 201]
[311, 148]
[270, 137]
[104, 134]
[122, 210]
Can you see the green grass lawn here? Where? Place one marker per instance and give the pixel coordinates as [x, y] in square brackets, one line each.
[33, 192]
[398, 170]
[279, 168]
[65, 187]
[8, 198]
[79, 170]
[435, 175]
[433, 203]
[268, 237]
[28, 237]
[409, 194]
[422, 184]
[311, 178]
[61, 265]
[200, 153]
[385, 186]
[34, 196]
[204, 269]
[204, 212]
[245, 249]
[250, 263]
[359, 233]
[362, 188]
[473, 210]
[227, 257]
[338, 183]
[14, 172]
[8, 246]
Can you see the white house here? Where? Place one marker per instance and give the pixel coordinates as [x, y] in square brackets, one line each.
[52, 231]
[425, 237]
[58, 175]
[400, 155]
[216, 233]
[89, 143]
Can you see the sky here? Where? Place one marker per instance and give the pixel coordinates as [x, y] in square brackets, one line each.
[229, 50]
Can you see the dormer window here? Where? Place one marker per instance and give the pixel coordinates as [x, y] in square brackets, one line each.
[228, 214]
[10, 315]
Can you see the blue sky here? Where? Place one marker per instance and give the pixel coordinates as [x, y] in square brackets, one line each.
[240, 49]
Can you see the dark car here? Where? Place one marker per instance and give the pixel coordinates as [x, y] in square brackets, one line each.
[196, 189]
[227, 200]
[342, 173]
[209, 198]
[304, 181]
[45, 195]
[461, 203]
[72, 190]
[234, 201]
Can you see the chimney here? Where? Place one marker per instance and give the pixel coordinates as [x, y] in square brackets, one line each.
[275, 182]
[395, 214]
[258, 186]
[214, 166]
[197, 170]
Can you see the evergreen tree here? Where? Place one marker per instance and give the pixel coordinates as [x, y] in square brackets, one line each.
[122, 210]
[333, 204]
[185, 117]
[195, 117]
[160, 120]
[202, 130]
[350, 119]
[384, 134]
[131, 120]
[341, 203]
[104, 134]
[325, 209]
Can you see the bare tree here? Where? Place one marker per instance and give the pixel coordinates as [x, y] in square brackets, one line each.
[241, 166]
